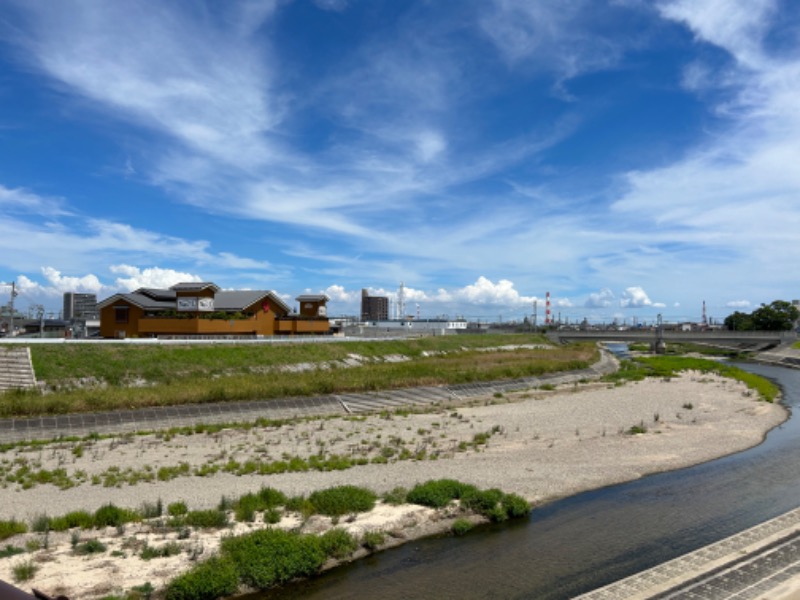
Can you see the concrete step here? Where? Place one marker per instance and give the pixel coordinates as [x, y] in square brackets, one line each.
[16, 369]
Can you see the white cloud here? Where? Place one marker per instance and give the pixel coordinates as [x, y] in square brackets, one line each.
[338, 293]
[24, 201]
[734, 25]
[738, 304]
[601, 299]
[553, 35]
[635, 297]
[153, 277]
[484, 291]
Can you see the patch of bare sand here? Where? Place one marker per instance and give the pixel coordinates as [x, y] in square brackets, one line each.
[540, 445]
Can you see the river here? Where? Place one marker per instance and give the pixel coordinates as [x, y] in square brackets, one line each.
[583, 542]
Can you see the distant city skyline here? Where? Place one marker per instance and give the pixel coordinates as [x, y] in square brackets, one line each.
[632, 158]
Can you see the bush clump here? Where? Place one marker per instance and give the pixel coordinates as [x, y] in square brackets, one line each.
[11, 528]
[461, 526]
[177, 509]
[270, 557]
[437, 493]
[110, 515]
[207, 519]
[338, 543]
[342, 500]
[77, 518]
[217, 577]
[265, 499]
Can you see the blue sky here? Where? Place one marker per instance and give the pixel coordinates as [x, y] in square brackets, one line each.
[631, 157]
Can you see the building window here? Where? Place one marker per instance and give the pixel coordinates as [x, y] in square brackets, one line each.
[120, 314]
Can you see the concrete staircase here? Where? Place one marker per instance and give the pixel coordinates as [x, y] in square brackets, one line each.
[16, 370]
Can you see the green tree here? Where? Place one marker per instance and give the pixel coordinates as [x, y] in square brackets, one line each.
[739, 321]
[780, 315]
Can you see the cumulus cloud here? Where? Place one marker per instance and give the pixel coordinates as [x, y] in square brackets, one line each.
[338, 293]
[484, 291]
[601, 299]
[153, 277]
[635, 297]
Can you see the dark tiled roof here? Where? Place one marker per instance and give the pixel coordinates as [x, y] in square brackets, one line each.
[194, 286]
[155, 299]
[312, 298]
[239, 300]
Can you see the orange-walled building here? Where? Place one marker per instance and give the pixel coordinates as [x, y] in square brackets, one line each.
[202, 309]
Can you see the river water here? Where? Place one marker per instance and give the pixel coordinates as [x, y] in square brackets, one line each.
[580, 543]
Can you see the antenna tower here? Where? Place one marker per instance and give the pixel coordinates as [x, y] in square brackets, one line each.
[547, 319]
[401, 301]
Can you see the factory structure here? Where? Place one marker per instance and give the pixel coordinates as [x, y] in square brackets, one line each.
[375, 318]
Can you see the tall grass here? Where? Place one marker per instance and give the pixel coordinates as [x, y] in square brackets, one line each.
[668, 366]
[193, 374]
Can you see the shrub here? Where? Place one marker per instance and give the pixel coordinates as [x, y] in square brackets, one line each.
[113, 516]
[271, 557]
[177, 509]
[396, 496]
[272, 516]
[338, 543]
[214, 578]
[481, 501]
[77, 518]
[169, 549]
[24, 571]
[300, 504]
[437, 493]
[342, 500]
[245, 508]
[11, 528]
[211, 518]
[271, 497]
[151, 510]
[10, 550]
[372, 539]
[90, 547]
[40, 523]
[516, 506]
[461, 526]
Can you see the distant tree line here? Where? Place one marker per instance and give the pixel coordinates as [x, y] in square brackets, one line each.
[779, 315]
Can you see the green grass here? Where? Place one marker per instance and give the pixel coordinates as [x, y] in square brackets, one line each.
[11, 528]
[207, 519]
[214, 578]
[90, 547]
[24, 571]
[270, 557]
[197, 374]
[338, 543]
[10, 550]
[669, 366]
[461, 526]
[492, 503]
[342, 500]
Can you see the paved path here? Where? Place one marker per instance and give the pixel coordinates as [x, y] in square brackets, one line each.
[748, 565]
[159, 418]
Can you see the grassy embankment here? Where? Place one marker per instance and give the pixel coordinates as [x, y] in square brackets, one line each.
[668, 366]
[91, 377]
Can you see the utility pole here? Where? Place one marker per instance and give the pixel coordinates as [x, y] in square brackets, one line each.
[13, 285]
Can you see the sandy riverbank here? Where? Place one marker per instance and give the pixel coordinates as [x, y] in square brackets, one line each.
[542, 445]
